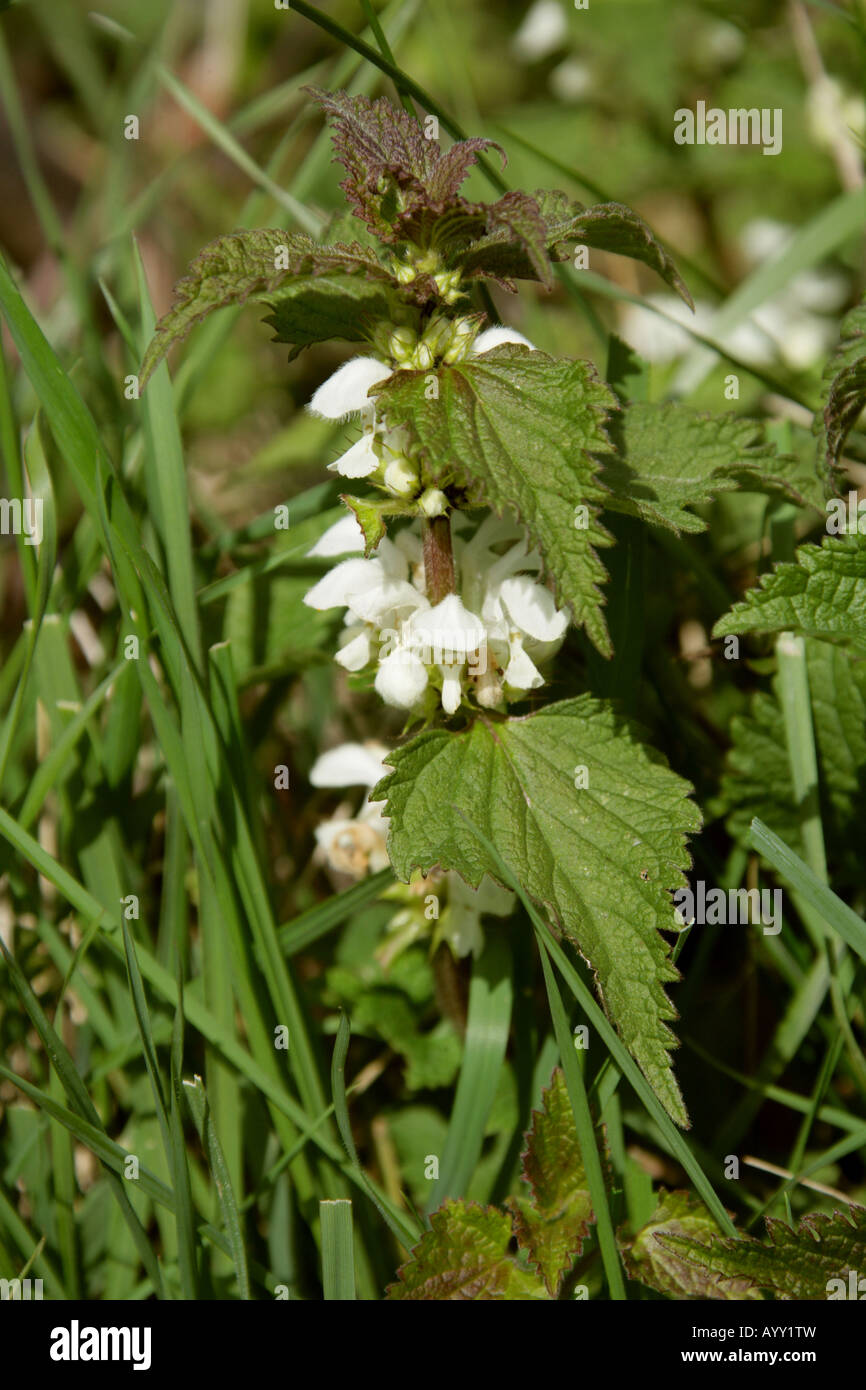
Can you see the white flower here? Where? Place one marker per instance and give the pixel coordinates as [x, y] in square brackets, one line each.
[401, 478]
[448, 627]
[372, 590]
[401, 678]
[532, 608]
[343, 538]
[497, 337]
[357, 652]
[520, 671]
[359, 461]
[452, 687]
[490, 637]
[345, 392]
[543, 30]
[353, 845]
[350, 765]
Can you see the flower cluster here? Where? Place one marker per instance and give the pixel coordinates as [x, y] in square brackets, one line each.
[486, 640]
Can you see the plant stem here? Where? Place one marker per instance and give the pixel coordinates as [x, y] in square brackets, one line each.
[438, 559]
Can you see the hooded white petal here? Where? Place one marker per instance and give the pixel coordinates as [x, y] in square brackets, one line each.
[449, 626]
[342, 538]
[401, 679]
[350, 765]
[345, 392]
[533, 609]
[359, 461]
[347, 580]
[521, 671]
[356, 653]
[393, 558]
[496, 337]
[377, 603]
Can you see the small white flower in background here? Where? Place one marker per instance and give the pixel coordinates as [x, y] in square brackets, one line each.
[571, 80]
[786, 326]
[489, 638]
[834, 116]
[543, 30]
[724, 41]
[356, 844]
[460, 925]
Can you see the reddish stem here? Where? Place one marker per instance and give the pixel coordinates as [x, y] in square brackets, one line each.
[438, 559]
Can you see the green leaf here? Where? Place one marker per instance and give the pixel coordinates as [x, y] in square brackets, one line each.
[845, 383]
[516, 428]
[793, 1263]
[553, 1225]
[603, 858]
[464, 1256]
[668, 458]
[254, 265]
[311, 310]
[757, 779]
[397, 179]
[822, 593]
[370, 513]
[563, 221]
[652, 1261]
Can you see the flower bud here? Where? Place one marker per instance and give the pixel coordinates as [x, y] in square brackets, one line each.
[401, 478]
[433, 502]
[463, 333]
[447, 283]
[402, 344]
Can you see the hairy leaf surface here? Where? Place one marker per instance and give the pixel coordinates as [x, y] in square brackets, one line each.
[822, 593]
[651, 1261]
[793, 1263]
[669, 458]
[553, 1224]
[602, 858]
[464, 1257]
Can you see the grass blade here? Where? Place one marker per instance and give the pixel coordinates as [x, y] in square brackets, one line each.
[338, 1256]
[585, 1130]
[487, 1028]
[198, 1104]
